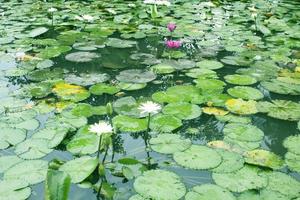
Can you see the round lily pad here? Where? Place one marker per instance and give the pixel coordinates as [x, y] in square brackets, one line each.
[243, 132]
[131, 86]
[8, 161]
[245, 92]
[209, 86]
[159, 184]
[118, 43]
[163, 68]
[209, 64]
[263, 158]
[70, 92]
[165, 123]
[280, 87]
[32, 149]
[11, 136]
[292, 144]
[85, 79]
[79, 168]
[14, 190]
[244, 179]
[135, 76]
[237, 79]
[129, 124]
[293, 161]
[198, 157]
[169, 143]
[30, 171]
[81, 56]
[101, 88]
[283, 184]
[182, 110]
[207, 191]
[239, 106]
[231, 162]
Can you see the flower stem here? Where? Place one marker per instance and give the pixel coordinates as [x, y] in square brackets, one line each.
[52, 19]
[148, 124]
[105, 154]
[99, 146]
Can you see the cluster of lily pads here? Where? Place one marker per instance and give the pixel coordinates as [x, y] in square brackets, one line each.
[64, 66]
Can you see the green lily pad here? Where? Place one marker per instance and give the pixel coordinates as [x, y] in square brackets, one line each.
[135, 76]
[231, 162]
[30, 171]
[45, 74]
[127, 106]
[243, 132]
[101, 88]
[129, 124]
[293, 161]
[245, 92]
[284, 184]
[79, 168]
[37, 31]
[281, 109]
[209, 64]
[131, 86]
[7, 162]
[81, 56]
[118, 43]
[198, 157]
[182, 110]
[280, 87]
[162, 68]
[169, 143]
[53, 136]
[264, 158]
[210, 86]
[207, 191]
[159, 184]
[244, 179]
[33, 149]
[292, 144]
[14, 190]
[237, 79]
[239, 106]
[165, 123]
[85, 79]
[11, 136]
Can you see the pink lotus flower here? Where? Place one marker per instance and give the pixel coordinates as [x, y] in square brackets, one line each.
[173, 44]
[171, 27]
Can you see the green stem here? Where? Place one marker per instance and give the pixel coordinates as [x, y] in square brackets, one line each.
[99, 146]
[148, 124]
[52, 19]
[104, 157]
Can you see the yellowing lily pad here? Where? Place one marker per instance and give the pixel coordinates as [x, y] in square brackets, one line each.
[239, 106]
[215, 111]
[70, 92]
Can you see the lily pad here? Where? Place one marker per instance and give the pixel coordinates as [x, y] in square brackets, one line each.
[264, 158]
[79, 168]
[292, 144]
[11, 136]
[182, 110]
[81, 57]
[101, 88]
[244, 92]
[231, 162]
[237, 79]
[165, 123]
[129, 124]
[209, 64]
[207, 191]
[243, 132]
[239, 106]
[85, 79]
[280, 87]
[33, 149]
[118, 43]
[135, 76]
[29, 171]
[14, 190]
[159, 184]
[70, 92]
[198, 157]
[169, 143]
[244, 179]
[293, 161]
[8, 161]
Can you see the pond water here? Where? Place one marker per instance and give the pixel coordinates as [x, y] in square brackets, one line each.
[228, 123]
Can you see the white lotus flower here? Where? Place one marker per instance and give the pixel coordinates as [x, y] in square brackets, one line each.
[158, 2]
[20, 55]
[101, 127]
[52, 10]
[149, 107]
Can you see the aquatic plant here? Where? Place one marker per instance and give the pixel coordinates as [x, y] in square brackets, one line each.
[154, 3]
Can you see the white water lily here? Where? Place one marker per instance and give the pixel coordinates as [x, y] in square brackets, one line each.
[158, 2]
[100, 128]
[20, 55]
[149, 107]
[52, 10]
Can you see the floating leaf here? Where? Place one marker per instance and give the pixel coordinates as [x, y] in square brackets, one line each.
[14, 190]
[241, 107]
[81, 56]
[159, 184]
[240, 79]
[165, 123]
[118, 43]
[135, 76]
[214, 111]
[11, 136]
[207, 191]
[33, 149]
[198, 157]
[244, 179]
[231, 162]
[182, 110]
[169, 143]
[209, 64]
[79, 168]
[30, 171]
[86, 79]
[70, 92]
[37, 31]
[129, 124]
[245, 92]
[292, 160]
[101, 88]
[243, 132]
[292, 144]
[8, 161]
